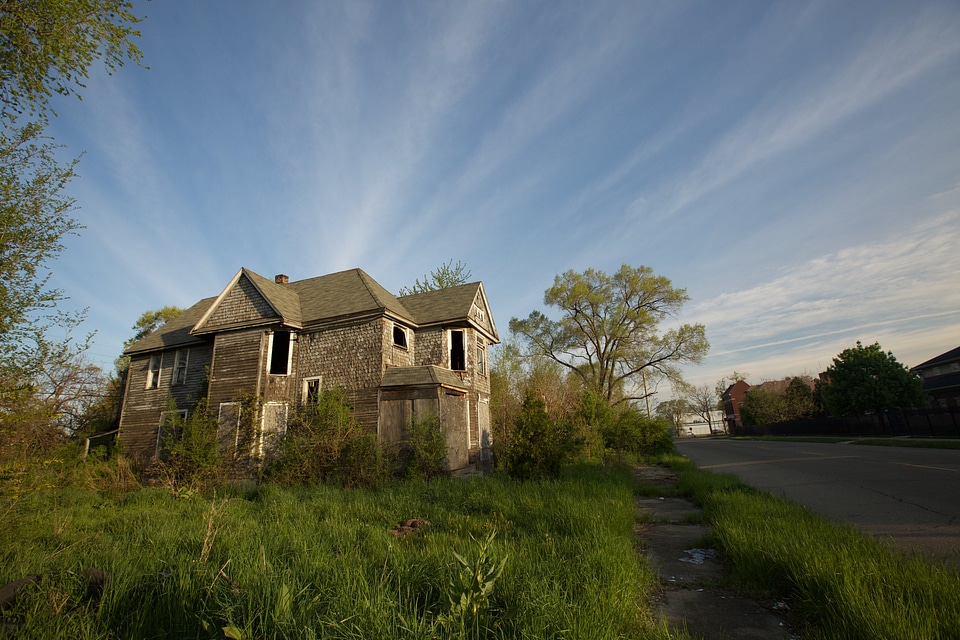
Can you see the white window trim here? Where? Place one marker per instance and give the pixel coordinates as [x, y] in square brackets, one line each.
[289, 353]
[153, 375]
[263, 423]
[466, 355]
[306, 381]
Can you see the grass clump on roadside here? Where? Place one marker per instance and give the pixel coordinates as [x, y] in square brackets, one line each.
[487, 558]
[844, 584]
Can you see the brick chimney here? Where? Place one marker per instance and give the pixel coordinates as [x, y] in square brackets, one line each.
[281, 279]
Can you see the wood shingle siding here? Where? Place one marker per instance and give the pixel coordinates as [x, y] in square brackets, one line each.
[391, 355]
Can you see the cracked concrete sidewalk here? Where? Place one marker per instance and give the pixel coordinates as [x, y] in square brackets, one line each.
[692, 596]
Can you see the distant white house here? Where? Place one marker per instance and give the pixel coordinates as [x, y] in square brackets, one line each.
[693, 425]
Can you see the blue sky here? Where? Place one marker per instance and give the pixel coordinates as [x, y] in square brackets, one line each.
[795, 166]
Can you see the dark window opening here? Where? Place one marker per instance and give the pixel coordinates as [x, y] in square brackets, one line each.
[458, 357]
[280, 358]
[400, 337]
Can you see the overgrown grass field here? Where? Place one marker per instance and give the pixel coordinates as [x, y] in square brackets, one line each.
[493, 558]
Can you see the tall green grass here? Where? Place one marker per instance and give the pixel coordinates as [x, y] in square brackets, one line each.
[844, 584]
[319, 562]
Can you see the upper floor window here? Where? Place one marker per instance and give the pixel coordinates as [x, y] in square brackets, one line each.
[458, 355]
[399, 336]
[481, 357]
[153, 371]
[180, 366]
[280, 353]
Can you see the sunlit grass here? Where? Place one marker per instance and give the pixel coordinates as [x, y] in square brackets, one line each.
[319, 562]
[845, 584]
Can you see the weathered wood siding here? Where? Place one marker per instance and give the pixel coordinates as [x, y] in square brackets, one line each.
[140, 421]
[243, 304]
[351, 357]
[454, 419]
[393, 355]
[238, 358]
[431, 348]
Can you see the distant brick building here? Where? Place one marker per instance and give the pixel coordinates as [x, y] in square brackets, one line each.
[732, 399]
[281, 342]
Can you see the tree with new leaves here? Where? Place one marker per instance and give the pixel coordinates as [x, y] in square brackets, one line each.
[609, 333]
[445, 276]
[46, 48]
[868, 379]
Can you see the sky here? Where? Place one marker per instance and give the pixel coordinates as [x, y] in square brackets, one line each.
[793, 165]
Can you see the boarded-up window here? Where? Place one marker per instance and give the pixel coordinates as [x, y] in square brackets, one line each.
[228, 427]
[153, 371]
[274, 427]
[180, 366]
[280, 353]
[458, 356]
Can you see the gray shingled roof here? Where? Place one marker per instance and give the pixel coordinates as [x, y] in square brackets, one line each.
[283, 299]
[442, 305]
[336, 295]
[427, 375]
[345, 293]
[175, 333]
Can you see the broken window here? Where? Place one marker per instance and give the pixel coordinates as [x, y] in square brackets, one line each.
[180, 366]
[311, 390]
[280, 353]
[458, 356]
[399, 336]
[153, 371]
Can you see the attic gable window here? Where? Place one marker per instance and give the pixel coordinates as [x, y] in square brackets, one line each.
[478, 313]
[280, 353]
[399, 337]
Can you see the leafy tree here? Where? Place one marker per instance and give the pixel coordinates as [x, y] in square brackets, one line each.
[444, 276]
[150, 321]
[799, 396]
[762, 406]
[46, 48]
[608, 334]
[672, 411]
[864, 379]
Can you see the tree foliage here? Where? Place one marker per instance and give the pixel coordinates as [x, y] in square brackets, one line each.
[445, 276]
[867, 379]
[47, 47]
[609, 334]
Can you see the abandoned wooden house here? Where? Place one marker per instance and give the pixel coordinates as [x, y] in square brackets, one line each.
[399, 359]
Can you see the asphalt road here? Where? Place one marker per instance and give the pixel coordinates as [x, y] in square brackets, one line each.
[907, 496]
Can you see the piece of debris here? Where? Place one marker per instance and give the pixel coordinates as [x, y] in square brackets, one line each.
[408, 527]
[698, 556]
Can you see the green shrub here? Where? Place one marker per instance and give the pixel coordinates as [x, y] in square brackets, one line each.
[426, 450]
[539, 446]
[631, 432]
[325, 443]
